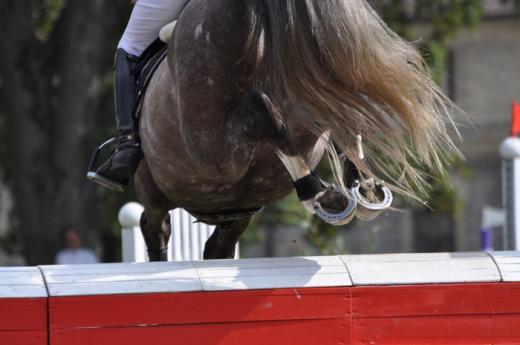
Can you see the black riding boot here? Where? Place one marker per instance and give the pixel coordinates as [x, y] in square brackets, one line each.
[116, 172]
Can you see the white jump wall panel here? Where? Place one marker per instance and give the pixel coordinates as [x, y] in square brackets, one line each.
[461, 298]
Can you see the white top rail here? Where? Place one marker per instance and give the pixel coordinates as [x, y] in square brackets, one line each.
[270, 273]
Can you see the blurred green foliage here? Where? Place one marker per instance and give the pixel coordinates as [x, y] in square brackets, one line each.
[444, 18]
[46, 13]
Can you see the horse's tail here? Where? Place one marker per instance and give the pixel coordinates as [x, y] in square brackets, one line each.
[337, 66]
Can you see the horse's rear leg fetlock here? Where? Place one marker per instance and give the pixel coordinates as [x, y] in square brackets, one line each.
[222, 243]
[156, 232]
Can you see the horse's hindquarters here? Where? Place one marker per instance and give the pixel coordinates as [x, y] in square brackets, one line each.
[195, 159]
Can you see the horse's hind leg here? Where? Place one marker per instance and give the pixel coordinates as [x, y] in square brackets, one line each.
[221, 244]
[372, 196]
[155, 220]
[260, 119]
[155, 227]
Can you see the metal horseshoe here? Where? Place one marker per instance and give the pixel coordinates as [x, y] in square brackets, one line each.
[368, 210]
[336, 219]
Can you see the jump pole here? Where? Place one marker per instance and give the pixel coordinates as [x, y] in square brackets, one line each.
[459, 298]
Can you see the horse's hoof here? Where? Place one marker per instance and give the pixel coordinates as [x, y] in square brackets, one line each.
[334, 206]
[158, 255]
[370, 207]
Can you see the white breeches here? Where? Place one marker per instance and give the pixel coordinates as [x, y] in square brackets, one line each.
[148, 17]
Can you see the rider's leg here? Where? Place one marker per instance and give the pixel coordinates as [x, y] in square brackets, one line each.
[148, 17]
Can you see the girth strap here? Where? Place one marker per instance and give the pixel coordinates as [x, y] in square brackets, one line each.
[225, 216]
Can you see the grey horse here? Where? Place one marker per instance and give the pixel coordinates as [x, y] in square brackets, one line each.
[252, 95]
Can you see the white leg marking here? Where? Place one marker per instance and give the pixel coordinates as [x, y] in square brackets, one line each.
[260, 51]
[198, 30]
[295, 165]
[321, 144]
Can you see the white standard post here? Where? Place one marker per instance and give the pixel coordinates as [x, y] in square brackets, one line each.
[134, 248]
[491, 217]
[510, 152]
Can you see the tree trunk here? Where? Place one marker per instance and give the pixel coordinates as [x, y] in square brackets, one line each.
[55, 105]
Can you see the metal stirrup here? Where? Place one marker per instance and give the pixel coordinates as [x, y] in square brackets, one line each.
[93, 159]
[93, 176]
[340, 218]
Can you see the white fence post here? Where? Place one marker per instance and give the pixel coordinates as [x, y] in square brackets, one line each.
[134, 249]
[186, 241]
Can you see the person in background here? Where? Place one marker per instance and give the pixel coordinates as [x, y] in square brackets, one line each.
[74, 253]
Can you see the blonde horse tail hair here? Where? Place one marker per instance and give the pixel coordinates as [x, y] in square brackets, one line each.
[336, 66]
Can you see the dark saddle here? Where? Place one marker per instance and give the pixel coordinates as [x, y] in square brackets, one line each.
[145, 68]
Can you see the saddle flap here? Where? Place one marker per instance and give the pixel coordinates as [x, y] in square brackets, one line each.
[145, 68]
[167, 31]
